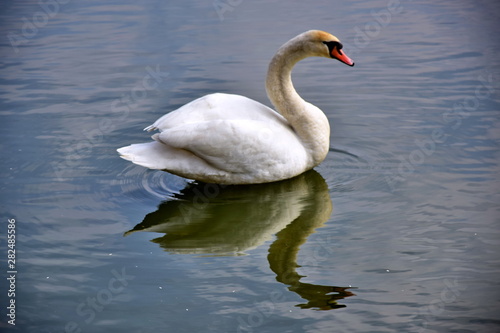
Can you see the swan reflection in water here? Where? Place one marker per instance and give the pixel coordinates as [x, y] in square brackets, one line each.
[228, 220]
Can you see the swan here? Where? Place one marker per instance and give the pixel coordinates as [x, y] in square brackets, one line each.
[231, 139]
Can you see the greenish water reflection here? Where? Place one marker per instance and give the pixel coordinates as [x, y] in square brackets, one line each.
[228, 220]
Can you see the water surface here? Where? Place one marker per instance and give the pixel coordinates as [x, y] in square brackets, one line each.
[399, 235]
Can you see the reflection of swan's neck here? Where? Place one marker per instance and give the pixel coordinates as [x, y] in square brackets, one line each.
[308, 121]
[316, 209]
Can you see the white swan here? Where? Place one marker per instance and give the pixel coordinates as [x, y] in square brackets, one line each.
[231, 139]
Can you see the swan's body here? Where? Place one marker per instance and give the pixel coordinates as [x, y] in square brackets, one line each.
[231, 139]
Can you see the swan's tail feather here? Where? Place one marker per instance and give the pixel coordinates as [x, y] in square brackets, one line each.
[156, 155]
[151, 155]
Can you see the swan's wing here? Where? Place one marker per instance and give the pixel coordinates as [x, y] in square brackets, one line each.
[223, 138]
[215, 107]
[239, 146]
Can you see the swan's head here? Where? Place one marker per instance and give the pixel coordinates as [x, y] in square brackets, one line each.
[323, 44]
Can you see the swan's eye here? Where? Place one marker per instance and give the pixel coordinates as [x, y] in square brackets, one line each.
[334, 45]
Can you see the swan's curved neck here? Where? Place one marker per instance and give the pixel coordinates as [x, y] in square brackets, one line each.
[308, 121]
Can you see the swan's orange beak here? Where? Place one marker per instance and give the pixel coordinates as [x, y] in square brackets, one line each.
[339, 55]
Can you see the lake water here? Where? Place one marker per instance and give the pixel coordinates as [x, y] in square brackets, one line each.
[399, 233]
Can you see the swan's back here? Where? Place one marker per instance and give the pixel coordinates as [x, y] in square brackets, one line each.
[218, 106]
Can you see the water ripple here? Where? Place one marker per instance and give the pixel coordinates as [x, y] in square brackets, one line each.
[144, 184]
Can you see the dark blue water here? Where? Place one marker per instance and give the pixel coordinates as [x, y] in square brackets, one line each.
[400, 235]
